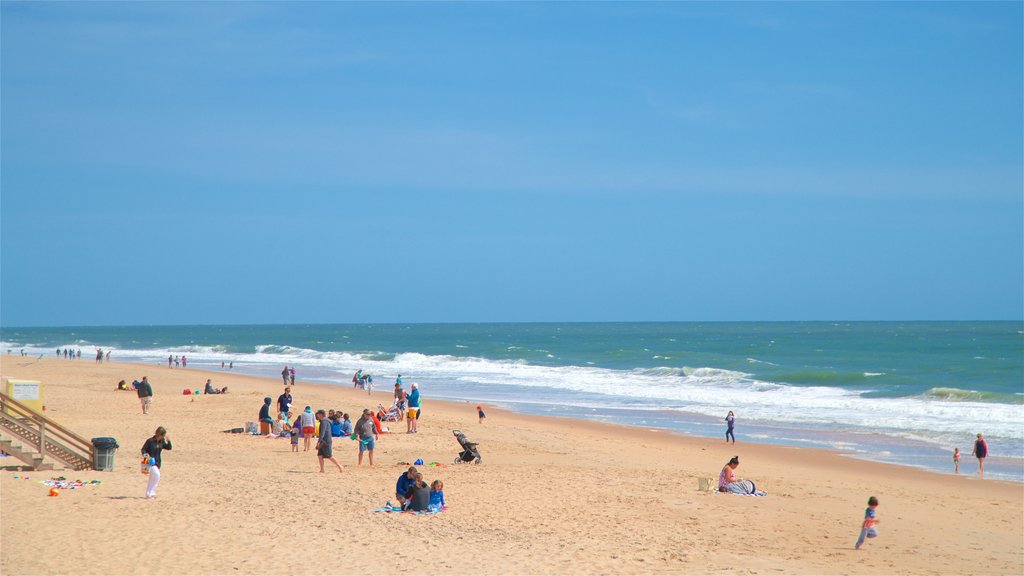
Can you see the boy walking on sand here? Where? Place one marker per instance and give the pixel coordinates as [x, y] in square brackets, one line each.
[867, 529]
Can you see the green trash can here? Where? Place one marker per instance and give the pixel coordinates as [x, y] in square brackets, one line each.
[103, 453]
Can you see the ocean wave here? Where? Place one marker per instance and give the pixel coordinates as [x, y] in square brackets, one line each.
[961, 395]
[704, 390]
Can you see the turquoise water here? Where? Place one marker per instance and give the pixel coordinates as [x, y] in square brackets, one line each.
[894, 391]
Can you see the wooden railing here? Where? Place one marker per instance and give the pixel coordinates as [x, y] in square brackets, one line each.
[44, 435]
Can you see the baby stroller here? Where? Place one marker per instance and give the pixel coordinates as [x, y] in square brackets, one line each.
[469, 451]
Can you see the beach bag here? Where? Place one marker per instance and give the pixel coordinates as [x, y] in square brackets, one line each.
[706, 484]
[251, 428]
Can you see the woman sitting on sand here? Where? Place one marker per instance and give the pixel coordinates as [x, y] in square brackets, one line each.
[728, 475]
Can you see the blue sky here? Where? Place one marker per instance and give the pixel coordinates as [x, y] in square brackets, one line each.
[264, 163]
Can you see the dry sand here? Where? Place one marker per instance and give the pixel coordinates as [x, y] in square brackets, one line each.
[553, 496]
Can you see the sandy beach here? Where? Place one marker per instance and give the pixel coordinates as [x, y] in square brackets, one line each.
[553, 496]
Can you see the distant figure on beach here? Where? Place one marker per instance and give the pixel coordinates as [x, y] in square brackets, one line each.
[58, 352]
[368, 379]
[153, 448]
[177, 362]
[480, 414]
[324, 445]
[284, 401]
[284, 375]
[400, 399]
[357, 378]
[980, 452]
[730, 422]
[99, 356]
[265, 420]
[78, 354]
[108, 355]
[184, 362]
[867, 529]
[211, 390]
[170, 360]
[295, 432]
[411, 424]
[145, 392]
[398, 381]
[221, 364]
[291, 375]
[956, 460]
[308, 427]
[231, 365]
[366, 435]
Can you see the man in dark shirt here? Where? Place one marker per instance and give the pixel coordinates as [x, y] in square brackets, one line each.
[284, 402]
[324, 445]
[145, 392]
[405, 482]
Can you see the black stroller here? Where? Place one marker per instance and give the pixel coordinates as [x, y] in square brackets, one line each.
[469, 451]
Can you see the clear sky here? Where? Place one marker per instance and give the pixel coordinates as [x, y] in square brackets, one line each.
[329, 162]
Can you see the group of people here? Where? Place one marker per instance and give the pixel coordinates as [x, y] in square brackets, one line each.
[177, 361]
[288, 375]
[980, 452]
[364, 381]
[99, 355]
[331, 423]
[65, 352]
[414, 495]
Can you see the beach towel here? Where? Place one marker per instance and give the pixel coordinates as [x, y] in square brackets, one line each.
[744, 488]
[398, 510]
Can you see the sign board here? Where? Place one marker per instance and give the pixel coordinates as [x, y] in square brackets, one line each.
[27, 392]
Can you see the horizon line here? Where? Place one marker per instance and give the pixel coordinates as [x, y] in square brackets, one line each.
[522, 322]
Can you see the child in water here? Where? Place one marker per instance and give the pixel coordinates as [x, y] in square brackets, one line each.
[480, 413]
[867, 529]
[437, 502]
[956, 460]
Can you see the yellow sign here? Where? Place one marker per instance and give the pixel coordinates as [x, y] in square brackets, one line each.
[27, 392]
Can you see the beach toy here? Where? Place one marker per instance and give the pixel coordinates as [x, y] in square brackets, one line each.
[54, 492]
[353, 436]
[197, 392]
[418, 462]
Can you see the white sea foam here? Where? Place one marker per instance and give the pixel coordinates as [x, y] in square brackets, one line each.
[703, 390]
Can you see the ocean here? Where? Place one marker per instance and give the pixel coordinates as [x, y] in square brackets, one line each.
[899, 392]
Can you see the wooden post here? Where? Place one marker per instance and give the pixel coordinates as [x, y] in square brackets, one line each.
[42, 438]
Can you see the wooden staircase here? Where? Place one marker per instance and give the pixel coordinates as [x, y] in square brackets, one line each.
[34, 439]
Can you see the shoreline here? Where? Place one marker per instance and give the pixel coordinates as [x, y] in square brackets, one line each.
[921, 455]
[554, 495]
[498, 407]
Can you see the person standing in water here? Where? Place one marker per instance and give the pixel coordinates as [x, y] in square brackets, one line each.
[980, 452]
[730, 421]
